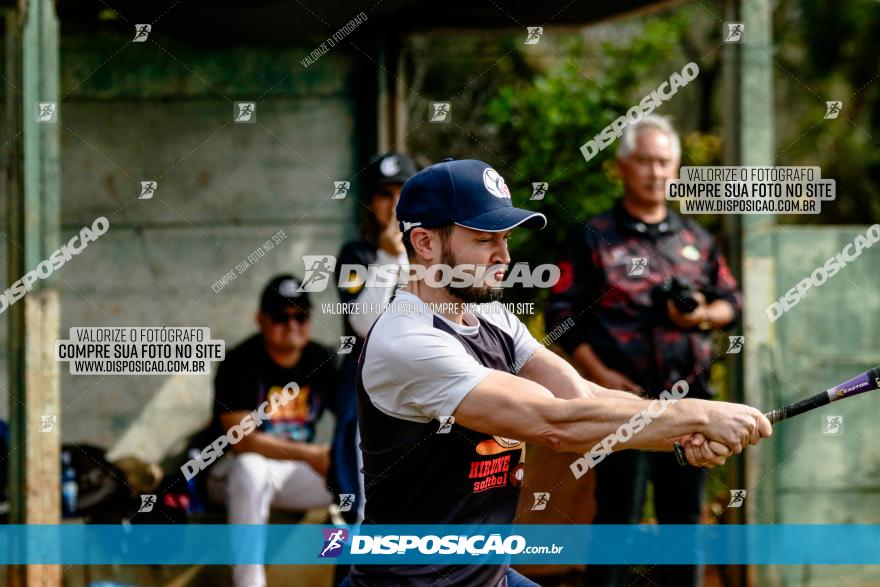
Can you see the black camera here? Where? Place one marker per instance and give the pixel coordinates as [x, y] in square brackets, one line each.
[680, 291]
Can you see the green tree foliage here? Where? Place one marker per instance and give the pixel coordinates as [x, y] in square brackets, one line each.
[828, 51]
[543, 122]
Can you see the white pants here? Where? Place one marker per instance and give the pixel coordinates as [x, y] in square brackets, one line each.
[250, 483]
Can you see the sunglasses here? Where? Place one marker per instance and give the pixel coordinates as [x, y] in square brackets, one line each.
[284, 318]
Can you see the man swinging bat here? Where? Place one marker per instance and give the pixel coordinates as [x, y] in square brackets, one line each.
[477, 368]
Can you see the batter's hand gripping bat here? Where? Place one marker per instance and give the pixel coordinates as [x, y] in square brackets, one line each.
[867, 381]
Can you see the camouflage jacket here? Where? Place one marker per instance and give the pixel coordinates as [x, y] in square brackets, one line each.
[612, 269]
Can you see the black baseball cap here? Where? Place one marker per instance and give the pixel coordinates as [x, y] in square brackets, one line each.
[468, 193]
[387, 168]
[282, 292]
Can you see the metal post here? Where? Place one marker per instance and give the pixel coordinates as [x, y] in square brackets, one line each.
[756, 147]
[32, 61]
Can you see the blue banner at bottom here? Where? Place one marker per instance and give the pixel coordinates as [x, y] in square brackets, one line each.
[410, 544]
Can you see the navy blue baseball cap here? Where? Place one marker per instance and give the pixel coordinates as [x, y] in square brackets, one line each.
[468, 193]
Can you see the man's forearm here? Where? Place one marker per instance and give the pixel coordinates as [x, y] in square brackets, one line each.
[600, 391]
[654, 424]
[586, 361]
[562, 379]
[553, 372]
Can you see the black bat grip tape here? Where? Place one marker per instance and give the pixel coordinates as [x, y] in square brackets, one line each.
[805, 405]
[678, 449]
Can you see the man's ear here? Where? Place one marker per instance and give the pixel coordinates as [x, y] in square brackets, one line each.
[422, 242]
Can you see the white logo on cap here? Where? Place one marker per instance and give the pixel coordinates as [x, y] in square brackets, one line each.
[495, 183]
[289, 288]
[390, 166]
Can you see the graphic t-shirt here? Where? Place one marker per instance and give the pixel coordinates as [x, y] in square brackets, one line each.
[248, 377]
[414, 371]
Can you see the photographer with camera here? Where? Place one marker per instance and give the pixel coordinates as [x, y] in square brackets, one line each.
[645, 288]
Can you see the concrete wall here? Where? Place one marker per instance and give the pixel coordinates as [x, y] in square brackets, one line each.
[827, 338]
[163, 111]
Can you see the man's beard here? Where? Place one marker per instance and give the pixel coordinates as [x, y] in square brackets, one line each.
[471, 294]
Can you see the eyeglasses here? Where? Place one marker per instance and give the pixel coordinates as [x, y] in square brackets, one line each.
[283, 318]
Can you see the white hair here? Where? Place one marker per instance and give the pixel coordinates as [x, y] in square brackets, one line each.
[630, 133]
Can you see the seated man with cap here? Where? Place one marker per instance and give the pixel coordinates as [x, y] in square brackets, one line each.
[277, 464]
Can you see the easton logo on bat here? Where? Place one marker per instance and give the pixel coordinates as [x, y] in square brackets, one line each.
[859, 384]
[846, 390]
